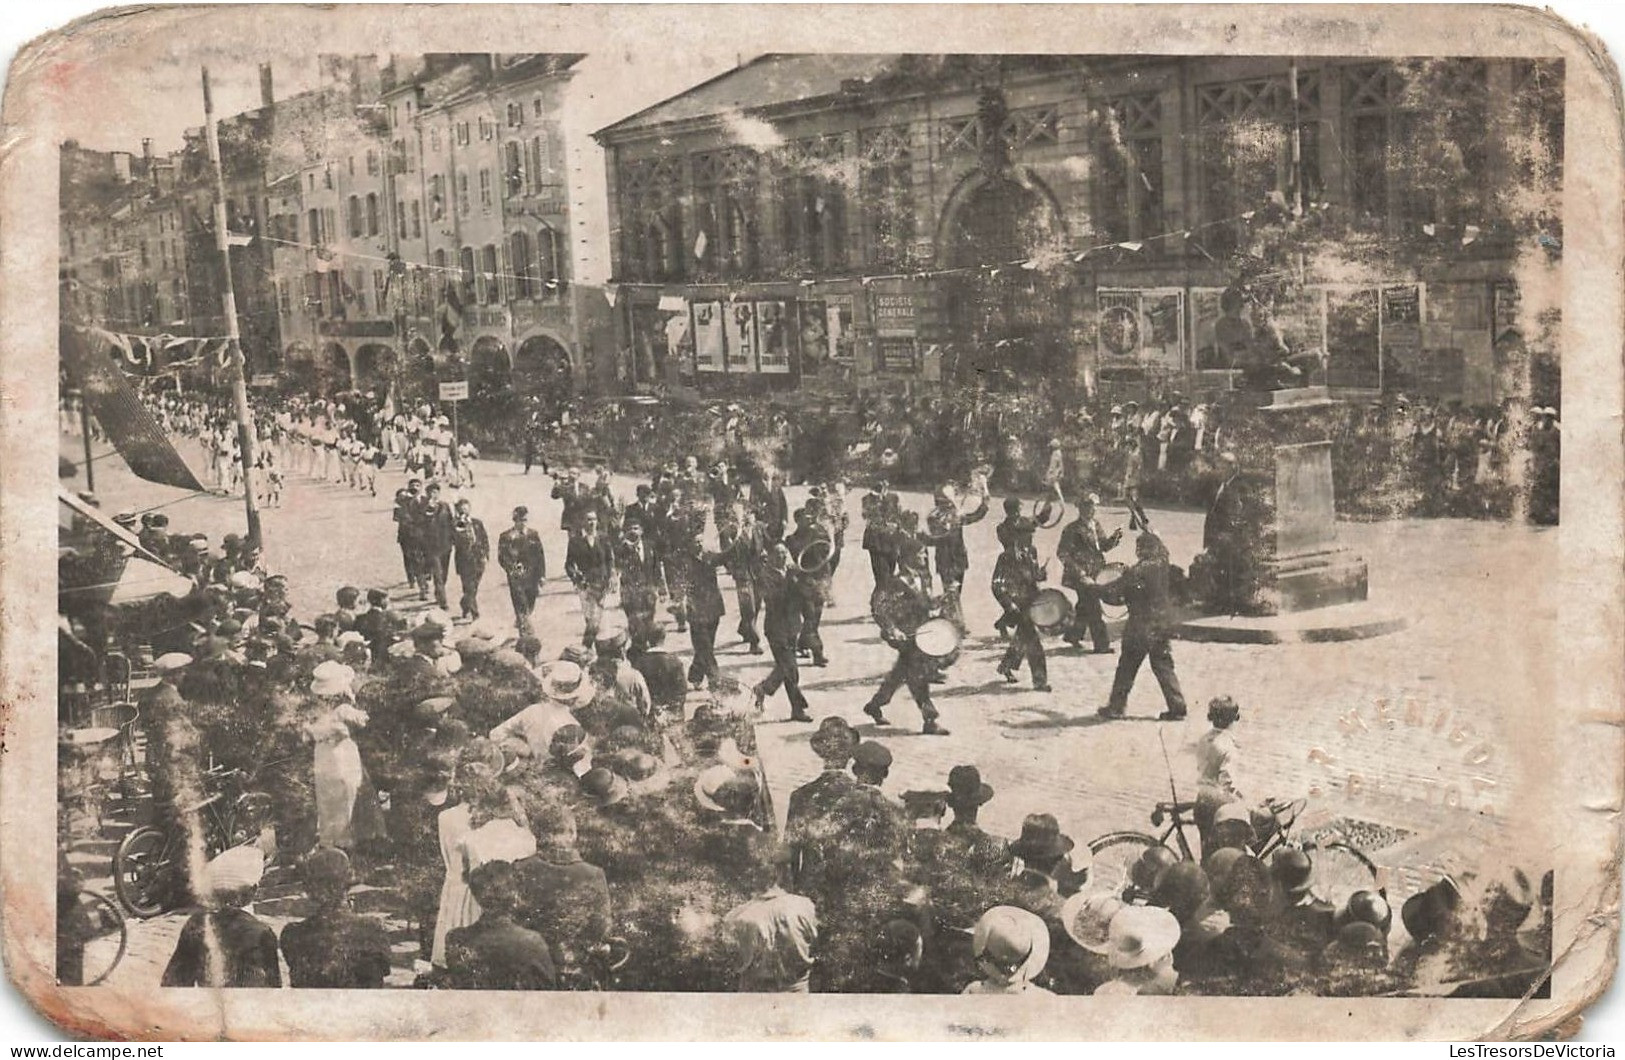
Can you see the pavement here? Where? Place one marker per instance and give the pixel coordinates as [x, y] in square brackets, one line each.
[1400, 742]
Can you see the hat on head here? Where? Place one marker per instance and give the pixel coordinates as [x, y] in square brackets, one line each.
[1014, 940]
[871, 756]
[244, 580]
[480, 758]
[349, 637]
[332, 678]
[1293, 871]
[1182, 890]
[476, 645]
[604, 787]
[1041, 839]
[169, 662]
[566, 683]
[634, 764]
[1140, 935]
[567, 741]
[199, 544]
[508, 659]
[347, 595]
[1087, 917]
[234, 870]
[725, 789]
[575, 653]
[428, 629]
[377, 596]
[435, 705]
[521, 512]
[965, 787]
[1432, 912]
[835, 741]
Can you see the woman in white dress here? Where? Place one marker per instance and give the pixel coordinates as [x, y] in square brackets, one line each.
[485, 825]
[337, 761]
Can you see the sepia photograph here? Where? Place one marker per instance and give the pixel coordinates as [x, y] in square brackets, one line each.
[1026, 520]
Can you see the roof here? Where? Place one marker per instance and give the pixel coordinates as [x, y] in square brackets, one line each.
[764, 82]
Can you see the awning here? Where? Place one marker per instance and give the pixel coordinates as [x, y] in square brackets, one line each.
[141, 579]
[79, 507]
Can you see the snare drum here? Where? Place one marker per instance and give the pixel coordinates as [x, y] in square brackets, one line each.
[1110, 575]
[1050, 608]
[937, 638]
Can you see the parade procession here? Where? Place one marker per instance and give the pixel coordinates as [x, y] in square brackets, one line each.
[967, 524]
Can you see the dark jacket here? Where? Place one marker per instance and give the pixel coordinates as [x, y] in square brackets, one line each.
[1224, 521]
[704, 600]
[1082, 550]
[640, 573]
[520, 555]
[495, 953]
[665, 675]
[781, 605]
[472, 545]
[436, 521]
[590, 564]
[1146, 590]
[566, 901]
[1015, 580]
[336, 949]
[247, 948]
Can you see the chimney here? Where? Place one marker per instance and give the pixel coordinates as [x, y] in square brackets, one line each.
[267, 96]
[146, 151]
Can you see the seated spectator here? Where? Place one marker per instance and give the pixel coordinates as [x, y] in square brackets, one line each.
[561, 897]
[494, 952]
[774, 933]
[1140, 950]
[222, 944]
[1011, 947]
[334, 947]
[663, 673]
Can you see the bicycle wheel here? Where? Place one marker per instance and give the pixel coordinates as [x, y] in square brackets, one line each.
[1337, 870]
[1114, 856]
[142, 869]
[105, 938]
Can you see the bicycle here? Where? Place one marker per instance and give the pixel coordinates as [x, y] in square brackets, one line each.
[1339, 868]
[91, 933]
[149, 867]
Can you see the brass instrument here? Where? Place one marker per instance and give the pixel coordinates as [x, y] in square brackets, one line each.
[815, 557]
[1049, 511]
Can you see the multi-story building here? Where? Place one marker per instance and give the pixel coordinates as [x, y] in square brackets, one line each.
[817, 222]
[482, 219]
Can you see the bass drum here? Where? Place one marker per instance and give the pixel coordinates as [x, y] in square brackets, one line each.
[937, 638]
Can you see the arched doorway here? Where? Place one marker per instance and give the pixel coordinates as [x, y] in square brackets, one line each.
[492, 403]
[299, 375]
[541, 369]
[1010, 323]
[374, 366]
[336, 368]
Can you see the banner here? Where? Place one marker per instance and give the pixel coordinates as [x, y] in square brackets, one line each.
[740, 323]
[708, 336]
[773, 335]
[136, 435]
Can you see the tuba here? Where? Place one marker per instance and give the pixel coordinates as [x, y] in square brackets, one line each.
[815, 557]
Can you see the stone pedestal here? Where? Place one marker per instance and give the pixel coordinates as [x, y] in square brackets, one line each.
[1286, 453]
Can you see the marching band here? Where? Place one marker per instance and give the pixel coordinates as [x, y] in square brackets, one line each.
[666, 547]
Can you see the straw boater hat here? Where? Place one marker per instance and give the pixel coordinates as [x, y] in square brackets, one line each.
[566, 683]
[724, 789]
[1087, 917]
[1141, 935]
[237, 869]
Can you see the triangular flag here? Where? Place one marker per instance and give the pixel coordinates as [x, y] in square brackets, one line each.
[1248, 216]
[1030, 263]
[1468, 234]
[609, 294]
[1131, 246]
[1080, 255]
[1430, 229]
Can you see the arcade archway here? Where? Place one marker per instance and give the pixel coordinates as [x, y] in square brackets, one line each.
[542, 369]
[336, 370]
[375, 366]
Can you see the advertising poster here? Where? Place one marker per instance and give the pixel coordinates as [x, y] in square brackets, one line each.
[708, 336]
[773, 337]
[739, 323]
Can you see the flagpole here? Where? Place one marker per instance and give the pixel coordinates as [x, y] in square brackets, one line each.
[228, 302]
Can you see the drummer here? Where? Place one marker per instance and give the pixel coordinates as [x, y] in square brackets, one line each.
[901, 607]
[1016, 577]
[1082, 552]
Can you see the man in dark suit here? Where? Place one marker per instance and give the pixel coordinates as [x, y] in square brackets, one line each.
[561, 897]
[520, 555]
[1016, 577]
[899, 606]
[879, 509]
[472, 548]
[812, 542]
[575, 499]
[589, 562]
[834, 742]
[1146, 591]
[435, 519]
[640, 583]
[640, 512]
[772, 507]
[705, 610]
[334, 948]
[494, 952]
[1082, 552]
[1224, 537]
[746, 553]
[408, 501]
[381, 626]
[781, 622]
